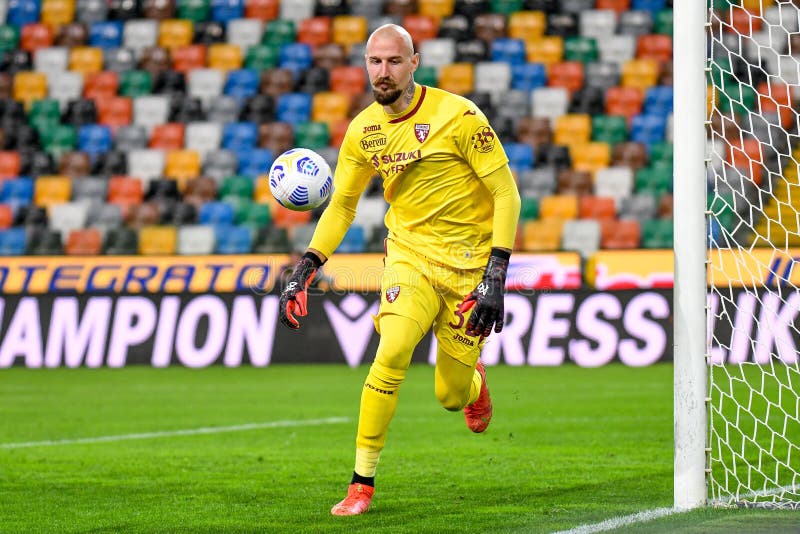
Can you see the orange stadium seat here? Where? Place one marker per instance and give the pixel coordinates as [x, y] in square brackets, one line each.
[640, 73]
[186, 58]
[261, 191]
[167, 136]
[51, 189]
[599, 208]
[224, 56]
[182, 165]
[527, 25]
[158, 240]
[776, 98]
[125, 191]
[114, 111]
[348, 79]
[338, 129]
[573, 128]
[286, 218]
[330, 106]
[35, 36]
[86, 59]
[348, 30]
[568, 75]
[6, 216]
[558, 207]
[10, 163]
[620, 234]
[84, 242]
[591, 156]
[437, 9]
[262, 9]
[617, 5]
[421, 28]
[104, 84]
[30, 86]
[315, 31]
[626, 101]
[547, 50]
[57, 12]
[657, 46]
[744, 22]
[458, 78]
[175, 33]
[542, 235]
[746, 156]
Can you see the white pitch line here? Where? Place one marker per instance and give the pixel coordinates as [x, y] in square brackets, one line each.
[184, 432]
[616, 522]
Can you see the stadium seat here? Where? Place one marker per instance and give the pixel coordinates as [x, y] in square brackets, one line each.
[313, 135]
[238, 136]
[224, 57]
[617, 49]
[658, 233]
[6, 216]
[366, 8]
[572, 128]
[589, 100]
[547, 50]
[200, 190]
[162, 189]
[472, 51]
[227, 10]
[223, 109]
[635, 23]
[294, 108]
[591, 156]
[59, 139]
[574, 182]
[640, 73]
[421, 28]
[233, 239]
[279, 32]
[620, 234]
[145, 214]
[528, 76]
[75, 164]
[458, 78]
[296, 57]
[611, 129]
[30, 86]
[216, 213]
[49, 190]
[437, 52]
[182, 165]
[106, 34]
[630, 154]
[314, 31]
[505, 50]
[121, 242]
[125, 191]
[94, 139]
[135, 83]
[601, 75]
[559, 207]
[101, 85]
[158, 240]
[17, 191]
[244, 33]
[130, 138]
[582, 236]
[254, 162]
[13, 242]
[349, 80]
[598, 208]
[67, 216]
[235, 188]
[44, 242]
[220, 163]
[658, 47]
[542, 235]
[625, 101]
[648, 129]
[175, 33]
[654, 180]
[203, 137]
[241, 83]
[568, 75]
[205, 84]
[348, 30]
[614, 182]
[260, 57]
[520, 156]
[52, 61]
[86, 60]
[150, 111]
[549, 102]
[597, 24]
[196, 240]
[641, 206]
[526, 25]
[167, 136]
[187, 58]
[271, 240]
[146, 164]
[194, 10]
[33, 37]
[9, 37]
[10, 164]
[618, 6]
[581, 49]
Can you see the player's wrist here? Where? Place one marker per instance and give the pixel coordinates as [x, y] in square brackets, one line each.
[315, 260]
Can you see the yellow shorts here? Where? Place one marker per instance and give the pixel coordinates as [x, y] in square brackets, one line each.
[429, 293]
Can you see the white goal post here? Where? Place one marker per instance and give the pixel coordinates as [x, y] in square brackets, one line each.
[737, 241]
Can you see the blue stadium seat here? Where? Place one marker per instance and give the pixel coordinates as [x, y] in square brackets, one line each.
[239, 136]
[106, 35]
[17, 191]
[658, 100]
[232, 239]
[528, 76]
[648, 129]
[12, 242]
[22, 12]
[241, 83]
[95, 139]
[511, 51]
[255, 161]
[296, 57]
[294, 108]
[225, 10]
[354, 241]
[520, 156]
[216, 213]
[653, 6]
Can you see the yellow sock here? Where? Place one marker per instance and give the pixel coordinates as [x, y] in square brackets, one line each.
[367, 462]
[475, 387]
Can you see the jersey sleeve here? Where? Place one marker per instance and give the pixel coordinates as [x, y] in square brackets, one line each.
[478, 142]
[350, 179]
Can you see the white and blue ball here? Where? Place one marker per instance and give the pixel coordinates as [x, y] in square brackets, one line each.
[300, 179]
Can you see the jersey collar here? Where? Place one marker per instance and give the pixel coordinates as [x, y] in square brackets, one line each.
[416, 102]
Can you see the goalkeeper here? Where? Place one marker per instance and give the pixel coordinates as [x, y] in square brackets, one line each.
[452, 219]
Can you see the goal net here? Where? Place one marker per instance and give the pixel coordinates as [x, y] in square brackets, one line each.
[753, 230]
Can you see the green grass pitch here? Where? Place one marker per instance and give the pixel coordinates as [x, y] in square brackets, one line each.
[567, 447]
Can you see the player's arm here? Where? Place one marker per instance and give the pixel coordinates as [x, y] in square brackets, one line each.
[350, 180]
[487, 298]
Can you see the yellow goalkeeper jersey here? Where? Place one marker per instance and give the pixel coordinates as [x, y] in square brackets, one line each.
[431, 158]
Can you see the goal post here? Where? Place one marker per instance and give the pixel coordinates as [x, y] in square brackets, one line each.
[689, 197]
[736, 119]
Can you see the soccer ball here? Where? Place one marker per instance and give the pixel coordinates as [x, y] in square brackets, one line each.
[300, 179]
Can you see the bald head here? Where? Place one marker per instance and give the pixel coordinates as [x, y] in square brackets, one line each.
[393, 32]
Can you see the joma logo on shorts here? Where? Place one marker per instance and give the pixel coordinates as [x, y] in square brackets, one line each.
[461, 339]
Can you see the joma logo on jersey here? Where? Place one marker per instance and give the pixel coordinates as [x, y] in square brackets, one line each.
[401, 156]
[374, 142]
[372, 128]
[461, 339]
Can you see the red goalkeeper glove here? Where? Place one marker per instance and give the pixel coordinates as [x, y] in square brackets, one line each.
[487, 298]
[294, 297]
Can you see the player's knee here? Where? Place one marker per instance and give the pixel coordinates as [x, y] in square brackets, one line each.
[450, 400]
[383, 377]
